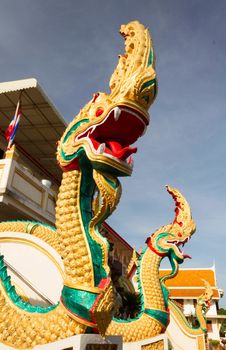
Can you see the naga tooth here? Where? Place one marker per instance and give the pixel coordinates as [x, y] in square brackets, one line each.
[117, 112]
[92, 129]
[101, 148]
[144, 131]
[130, 161]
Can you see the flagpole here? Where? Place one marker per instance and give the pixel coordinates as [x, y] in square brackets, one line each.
[16, 116]
[18, 102]
[10, 144]
[17, 106]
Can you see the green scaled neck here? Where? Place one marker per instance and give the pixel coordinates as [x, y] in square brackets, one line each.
[173, 273]
[151, 295]
[85, 250]
[87, 189]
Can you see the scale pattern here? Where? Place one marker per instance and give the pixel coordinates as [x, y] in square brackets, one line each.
[73, 245]
[156, 346]
[25, 330]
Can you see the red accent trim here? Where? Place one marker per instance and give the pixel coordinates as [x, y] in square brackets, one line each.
[168, 311]
[93, 308]
[153, 249]
[116, 235]
[131, 271]
[95, 96]
[102, 285]
[74, 165]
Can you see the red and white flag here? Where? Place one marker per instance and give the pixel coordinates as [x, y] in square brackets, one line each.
[13, 126]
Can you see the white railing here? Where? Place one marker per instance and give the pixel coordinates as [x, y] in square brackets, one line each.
[20, 189]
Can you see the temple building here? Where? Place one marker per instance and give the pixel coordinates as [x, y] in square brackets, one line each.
[29, 174]
[188, 286]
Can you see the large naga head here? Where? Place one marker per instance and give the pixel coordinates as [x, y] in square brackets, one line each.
[109, 124]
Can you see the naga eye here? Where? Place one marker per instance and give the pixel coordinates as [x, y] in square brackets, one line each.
[99, 111]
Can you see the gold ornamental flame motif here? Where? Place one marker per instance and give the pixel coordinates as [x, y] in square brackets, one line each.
[134, 79]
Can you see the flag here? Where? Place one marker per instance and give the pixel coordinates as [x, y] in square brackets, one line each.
[13, 126]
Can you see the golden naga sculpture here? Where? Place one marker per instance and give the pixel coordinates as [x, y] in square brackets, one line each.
[93, 152]
[164, 242]
[199, 331]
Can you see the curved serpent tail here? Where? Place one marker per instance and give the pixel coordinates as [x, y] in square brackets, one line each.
[24, 326]
[45, 232]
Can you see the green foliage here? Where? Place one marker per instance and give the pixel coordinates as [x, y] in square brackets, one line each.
[131, 304]
[222, 311]
[223, 329]
[215, 344]
[170, 347]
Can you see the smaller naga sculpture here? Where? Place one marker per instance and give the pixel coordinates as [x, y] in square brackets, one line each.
[203, 305]
[201, 309]
[93, 152]
[164, 242]
[199, 331]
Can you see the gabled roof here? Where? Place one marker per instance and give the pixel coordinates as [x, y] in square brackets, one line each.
[189, 282]
[41, 125]
[191, 293]
[191, 277]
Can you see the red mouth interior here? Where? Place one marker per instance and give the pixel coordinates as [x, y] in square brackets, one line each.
[117, 136]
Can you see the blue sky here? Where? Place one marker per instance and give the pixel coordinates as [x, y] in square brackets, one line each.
[71, 47]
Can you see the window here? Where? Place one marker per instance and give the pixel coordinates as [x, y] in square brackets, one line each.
[1, 154]
[209, 326]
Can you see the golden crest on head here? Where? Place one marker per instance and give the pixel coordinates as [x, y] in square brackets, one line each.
[109, 124]
[134, 79]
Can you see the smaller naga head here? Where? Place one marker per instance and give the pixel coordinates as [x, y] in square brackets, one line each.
[167, 240]
[206, 297]
[109, 124]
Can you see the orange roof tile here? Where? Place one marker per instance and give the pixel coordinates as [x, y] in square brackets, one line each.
[191, 278]
[190, 293]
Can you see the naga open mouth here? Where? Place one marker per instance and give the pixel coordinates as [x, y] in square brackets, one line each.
[181, 243]
[114, 136]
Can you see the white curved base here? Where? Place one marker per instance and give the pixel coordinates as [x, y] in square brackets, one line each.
[35, 267]
[181, 339]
